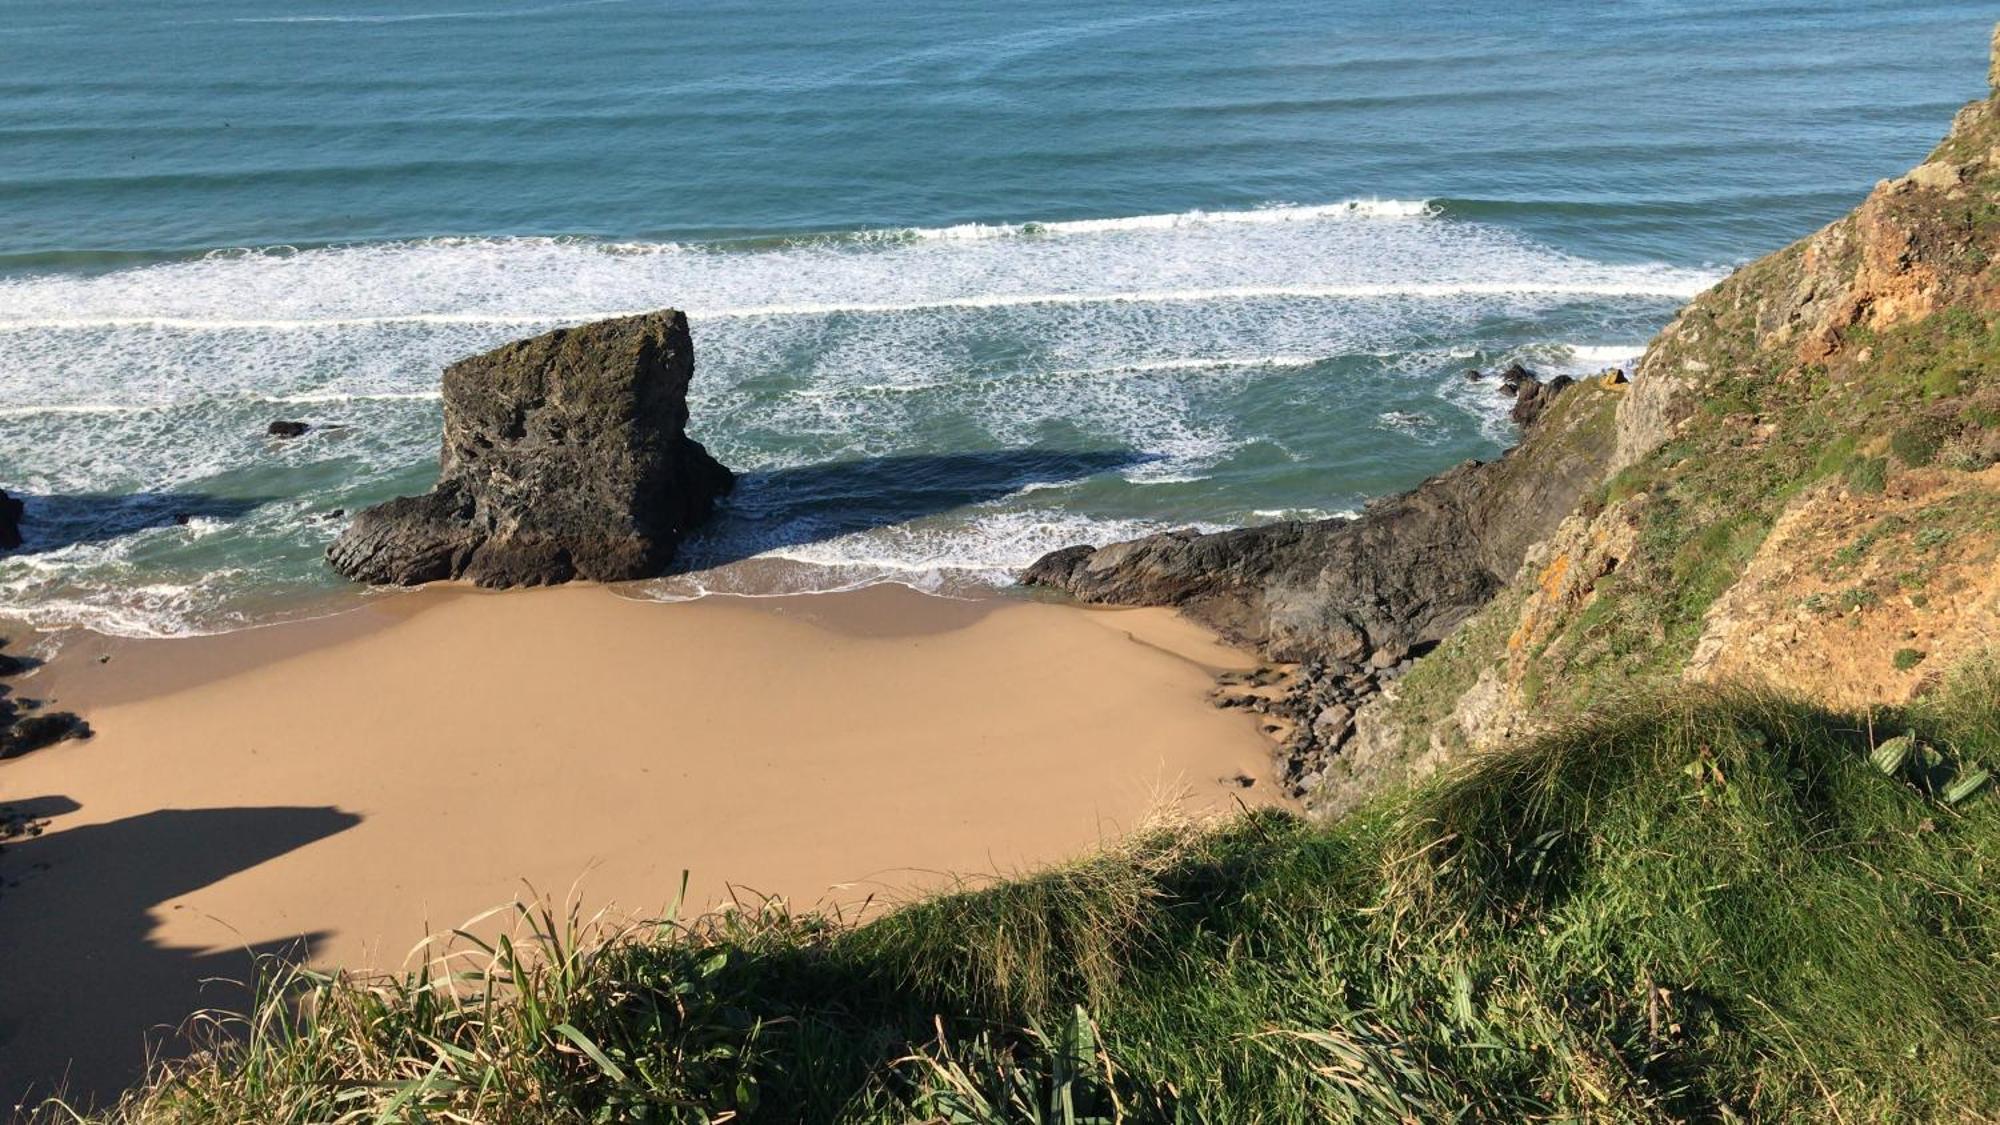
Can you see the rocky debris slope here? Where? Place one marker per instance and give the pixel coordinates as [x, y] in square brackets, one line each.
[565, 456]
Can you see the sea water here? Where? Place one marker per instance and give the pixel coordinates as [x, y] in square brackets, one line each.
[968, 282]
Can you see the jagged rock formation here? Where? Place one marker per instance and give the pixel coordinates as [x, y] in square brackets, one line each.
[1400, 576]
[565, 456]
[1352, 601]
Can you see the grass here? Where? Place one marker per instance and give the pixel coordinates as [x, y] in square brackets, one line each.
[1730, 907]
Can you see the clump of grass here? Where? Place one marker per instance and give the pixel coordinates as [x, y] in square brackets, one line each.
[1867, 475]
[1906, 659]
[1917, 443]
[1686, 907]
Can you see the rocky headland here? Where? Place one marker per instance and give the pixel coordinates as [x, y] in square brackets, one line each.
[1795, 488]
[565, 456]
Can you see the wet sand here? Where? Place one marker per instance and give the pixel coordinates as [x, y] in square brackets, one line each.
[339, 788]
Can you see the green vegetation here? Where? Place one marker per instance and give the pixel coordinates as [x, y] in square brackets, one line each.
[1918, 442]
[1906, 659]
[1713, 908]
[1704, 502]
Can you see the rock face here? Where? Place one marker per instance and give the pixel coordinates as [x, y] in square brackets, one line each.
[565, 456]
[1352, 603]
[1399, 577]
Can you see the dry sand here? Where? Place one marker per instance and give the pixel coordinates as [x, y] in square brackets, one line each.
[341, 786]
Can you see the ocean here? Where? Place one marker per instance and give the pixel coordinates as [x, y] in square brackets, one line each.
[967, 282]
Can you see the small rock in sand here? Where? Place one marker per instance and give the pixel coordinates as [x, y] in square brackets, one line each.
[37, 731]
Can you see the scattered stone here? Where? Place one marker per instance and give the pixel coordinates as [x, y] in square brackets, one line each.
[1334, 720]
[38, 731]
[1474, 375]
[565, 456]
[283, 429]
[1614, 376]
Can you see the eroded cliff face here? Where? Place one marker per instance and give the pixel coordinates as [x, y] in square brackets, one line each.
[1795, 489]
[1801, 494]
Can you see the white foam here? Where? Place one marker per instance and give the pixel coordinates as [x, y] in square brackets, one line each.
[513, 283]
[1304, 514]
[421, 17]
[985, 550]
[317, 397]
[1678, 288]
[1346, 209]
[32, 409]
[1141, 334]
[1604, 353]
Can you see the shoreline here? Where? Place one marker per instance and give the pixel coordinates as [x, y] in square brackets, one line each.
[339, 786]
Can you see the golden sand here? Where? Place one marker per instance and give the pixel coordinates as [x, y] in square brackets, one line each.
[341, 787]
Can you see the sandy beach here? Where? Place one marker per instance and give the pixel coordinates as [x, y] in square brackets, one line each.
[340, 788]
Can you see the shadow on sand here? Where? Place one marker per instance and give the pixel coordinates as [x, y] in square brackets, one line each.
[50, 522]
[813, 503]
[88, 990]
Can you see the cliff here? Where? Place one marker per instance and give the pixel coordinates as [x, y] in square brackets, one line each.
[1797, 489]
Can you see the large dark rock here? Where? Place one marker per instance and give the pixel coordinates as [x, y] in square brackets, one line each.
[1397, 578]
[565, 456]
[10, 521]
[1534, 396]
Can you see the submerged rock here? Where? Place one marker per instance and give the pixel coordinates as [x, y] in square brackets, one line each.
[283, 429]
[565, 456]
[10, 521]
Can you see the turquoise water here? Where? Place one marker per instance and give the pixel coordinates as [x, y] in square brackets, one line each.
[968, 282]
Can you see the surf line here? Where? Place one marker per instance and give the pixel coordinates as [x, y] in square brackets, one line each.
[1677, 289]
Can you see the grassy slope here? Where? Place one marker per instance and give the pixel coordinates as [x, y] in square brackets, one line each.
[1791, 390]
[1684, 909]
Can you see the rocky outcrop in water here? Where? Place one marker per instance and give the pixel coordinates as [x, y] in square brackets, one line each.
[1341, 591]
[10, 521]
[565, 456]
